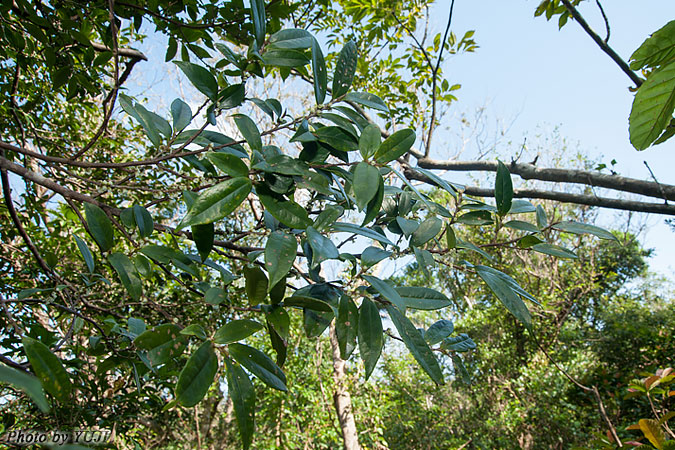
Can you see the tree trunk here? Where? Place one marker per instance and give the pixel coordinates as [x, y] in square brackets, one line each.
[341, 398]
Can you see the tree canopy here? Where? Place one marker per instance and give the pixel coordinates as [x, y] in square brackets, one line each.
[151, 258]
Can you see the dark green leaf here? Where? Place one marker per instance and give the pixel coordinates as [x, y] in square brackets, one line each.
[369, 141]
[438, 331]
[308, 302]
[375, 204]
[365, 232]
[232, 96]
[236, 330]
[373, 255]
[450, 238]
[214, 296]
[259, 364]
[461, 343]
[542, 220]
[127, 273]
[459, 366]
[322, 247]
[386, 291]
[395, 146]
[194, 330]
[280, 321]
[503, 189]
[100, 226]
[256, 284]
[280, 252]
[451, 188]
[86, 253]
[143, 221]
[371, 338]
[367, 99]
[259, 21]
[163, 343]
[242, 393]
[203, 236]
[289, 213]
[249, 130]
[365, 184]
[522, 226]
[291, 38]
[316, 322]
[346, 326]
[182, 115]
[200, 78]
[426, 231]
[554, 250]
[327, 217]
[27, 383]
[345, 69]
[229, 164]
[416, 344]
[423, 298]
[337, 138]
[506, 294]
[48, 369]
[520, 206]
[582, 228]
[217, 202]
[285, 58]
[319, 73]
[197, 375]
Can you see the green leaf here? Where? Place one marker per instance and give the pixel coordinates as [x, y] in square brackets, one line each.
[450, 238]
[375, 204]
[194, 330]
[182, 115]
[308, 302]
[27, 383]
[100, 226]
[426, 231]
[48, 369]
[229, 164]
[337, 138]
[451, 188]
[280, 253]
[86, 253]
[370, 140]
[345, 70]
[232, 96]
[373, 255]
[365, 184]
[259, 364]
[386, 291]
[214, 296]
[554, 250]
[285, 58]
[203, 236]
[461, 343]
[395, 146]
[200, 78]
[291, 38]
[249, 130]
[322, 247]
[504, 291]
[367, 99]
[163, 343]
[522, 226]
[582, 228]
[256, 284]
[236, 330]
[416, 344]
[657, 49]
[197, 375]
[242, 393]
[423, 298]
[346, 326]
[289, 213]
[520, 206]
[365, 232]
[280, 321]
[259, 21]
[459, 367]
[327, 217]
[438, 331]
[371, 338]
[652, 107]
[127, 273]
[542, 220]
[319, 73]
[503, 189]
[143, 221]
[217, 202]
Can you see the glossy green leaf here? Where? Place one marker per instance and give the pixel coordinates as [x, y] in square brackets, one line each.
[345, 69]
[322, 247]
[554, 250]
[143, 221]
[242, 393]
[236, 330]
[308, 302]
[327, 217]
[194, 330]
[520, 206]
[214, 296]
[365, 184]
[438, 331]
[582, 228]
[256, 284]
[48, 369]
[100, 226]
[346, 326]
[450, 238]
[163, 343]
[371, 338]
[653, 107]
[217, 202]
[336, 138]
[416, 344]
[86, 253]
[285, 58]
[291, 38]
[27, 383]
[506, 294]
[249, 130]
[362, 231]
[197, 375]
[373, 255]
[367, 99]
[280, 321]
[375, 204]
[319, 73]
[289, 213]
[522, 226]
[203, 236]
[426, 231]
[229, 164]
[460, 343]
[542, 220]
[181, 114]
[395, 146]
[232, 96]
[259, 364]
[280, 253]
[503, 189]
[369, 141]
[259, 21]
[423, 298]
[451, 188]
[127, 273]
[386, 291]
[200, 78]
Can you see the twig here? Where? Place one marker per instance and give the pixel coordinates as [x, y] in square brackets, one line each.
[663, 192]
[604, 17]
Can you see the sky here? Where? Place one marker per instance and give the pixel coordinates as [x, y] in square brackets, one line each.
[534, 77]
